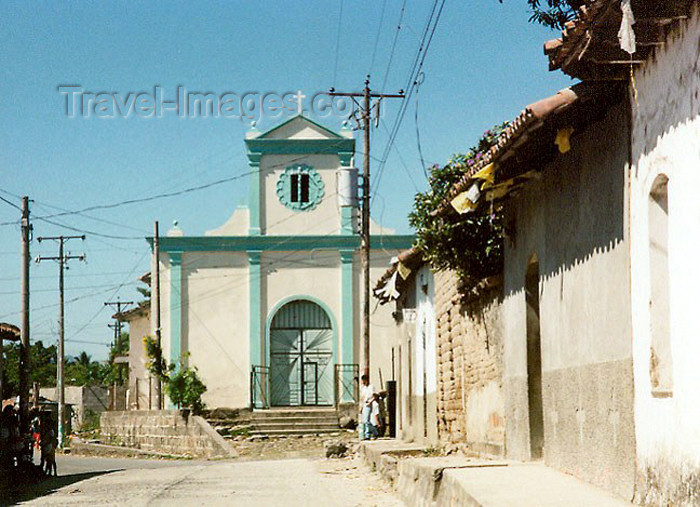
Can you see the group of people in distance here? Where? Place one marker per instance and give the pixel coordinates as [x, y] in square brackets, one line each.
[17, 449]
[371, 410]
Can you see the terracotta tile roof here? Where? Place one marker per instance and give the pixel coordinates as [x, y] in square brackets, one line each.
[589, 47]
[9, 332]
[532, 132]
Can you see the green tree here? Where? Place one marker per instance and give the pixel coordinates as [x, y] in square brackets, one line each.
[553, 13]
[43, 367]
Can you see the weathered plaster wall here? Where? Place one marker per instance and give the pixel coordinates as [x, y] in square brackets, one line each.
[469, 341]
[666, 140]
[381, 321]
[215, 324]
[138, 395]
[574, 219]
[83, 399]
[416, 347]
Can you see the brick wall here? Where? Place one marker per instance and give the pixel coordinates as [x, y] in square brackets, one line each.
[469, 355]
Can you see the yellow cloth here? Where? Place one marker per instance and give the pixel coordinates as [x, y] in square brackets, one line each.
[563, 139]
[403, 270]
[487, 173]
[462, 204]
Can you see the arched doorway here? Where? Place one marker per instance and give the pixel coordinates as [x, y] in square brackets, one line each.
[301, 355]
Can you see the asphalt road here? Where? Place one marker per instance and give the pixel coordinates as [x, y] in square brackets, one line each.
[133, 482]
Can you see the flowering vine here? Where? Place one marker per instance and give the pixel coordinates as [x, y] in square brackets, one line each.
[471, 245]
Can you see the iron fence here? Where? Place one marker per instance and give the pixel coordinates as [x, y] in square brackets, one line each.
[346, 383]
[259, 382]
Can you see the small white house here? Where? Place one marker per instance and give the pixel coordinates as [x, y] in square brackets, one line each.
[409, 286]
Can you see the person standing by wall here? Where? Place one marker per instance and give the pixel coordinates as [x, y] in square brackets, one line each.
[367, 397]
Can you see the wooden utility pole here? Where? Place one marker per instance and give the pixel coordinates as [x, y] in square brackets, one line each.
[62, 259]
[25, 357]
[365, 121]
[119, 305]
[156, 306]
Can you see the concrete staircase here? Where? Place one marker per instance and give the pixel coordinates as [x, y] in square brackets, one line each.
[294, 421]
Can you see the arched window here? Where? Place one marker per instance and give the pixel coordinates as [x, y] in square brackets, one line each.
[660, 361]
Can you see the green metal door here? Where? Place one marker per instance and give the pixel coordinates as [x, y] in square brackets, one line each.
[301, 356]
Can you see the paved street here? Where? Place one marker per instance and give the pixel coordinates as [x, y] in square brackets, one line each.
[295, 482]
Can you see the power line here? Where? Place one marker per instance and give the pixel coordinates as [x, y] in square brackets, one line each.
[419, 82]
[376, 39]
[10, 203]
[393, 45]
[416, 69]
[337, 42]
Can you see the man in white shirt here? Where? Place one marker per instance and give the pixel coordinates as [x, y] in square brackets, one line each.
[367, 397]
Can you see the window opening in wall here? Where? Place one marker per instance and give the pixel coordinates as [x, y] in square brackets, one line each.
[660, 360]
[304, 188]
[534, 360]
[295, 188]
[299, 191]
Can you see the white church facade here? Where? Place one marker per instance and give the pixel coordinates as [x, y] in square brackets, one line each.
[268, 306]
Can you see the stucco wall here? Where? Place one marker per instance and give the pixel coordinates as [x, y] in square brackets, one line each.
[215, 324]
[415, 353]
[138, 395]
[276, 219]
[469, 341]
[574, 219]
[85, 401]
[666, 140]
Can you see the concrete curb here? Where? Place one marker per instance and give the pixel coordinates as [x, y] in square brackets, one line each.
[94, 449]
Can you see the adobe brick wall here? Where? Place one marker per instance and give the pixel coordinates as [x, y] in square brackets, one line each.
[469, 349]
[166, 431]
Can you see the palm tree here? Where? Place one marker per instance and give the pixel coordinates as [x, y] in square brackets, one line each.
[84, 359]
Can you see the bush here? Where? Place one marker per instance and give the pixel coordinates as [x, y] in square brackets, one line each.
[185, 389]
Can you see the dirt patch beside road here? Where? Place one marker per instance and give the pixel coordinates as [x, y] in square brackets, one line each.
[297, 446]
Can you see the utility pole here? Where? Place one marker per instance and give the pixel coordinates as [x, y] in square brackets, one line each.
[118, 329]
[25, 360]
[62, 259]
[365, 121]
[156, 306]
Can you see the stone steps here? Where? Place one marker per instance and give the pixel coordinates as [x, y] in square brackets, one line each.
[292, 413]
[294, 421]
[291, 432]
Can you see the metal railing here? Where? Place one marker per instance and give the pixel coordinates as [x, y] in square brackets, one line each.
[259, 387]
[346, 383]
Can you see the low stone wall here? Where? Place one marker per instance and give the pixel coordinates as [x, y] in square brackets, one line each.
[166, 431]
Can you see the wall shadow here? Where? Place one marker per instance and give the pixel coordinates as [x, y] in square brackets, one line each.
[18, 488]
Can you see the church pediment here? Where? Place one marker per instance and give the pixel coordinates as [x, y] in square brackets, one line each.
[299, 127]
[300, 135]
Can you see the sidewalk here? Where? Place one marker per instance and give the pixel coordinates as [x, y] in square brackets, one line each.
[451, 480]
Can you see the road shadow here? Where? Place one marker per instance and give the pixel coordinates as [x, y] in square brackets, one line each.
[22, 488]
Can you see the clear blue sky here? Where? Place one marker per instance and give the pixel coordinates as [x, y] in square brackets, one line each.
[485, 64]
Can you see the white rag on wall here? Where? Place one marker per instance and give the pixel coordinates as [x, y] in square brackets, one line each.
[628, 41]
